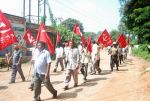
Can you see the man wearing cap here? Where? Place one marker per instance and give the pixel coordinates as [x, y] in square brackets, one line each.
[16, 56]
[114, 56]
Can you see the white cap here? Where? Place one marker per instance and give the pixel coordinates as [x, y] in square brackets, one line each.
[114, 43]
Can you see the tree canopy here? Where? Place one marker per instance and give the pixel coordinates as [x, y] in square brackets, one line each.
[136, 17]
[70, 23]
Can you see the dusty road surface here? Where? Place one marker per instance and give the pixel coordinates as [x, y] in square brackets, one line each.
[127, 84]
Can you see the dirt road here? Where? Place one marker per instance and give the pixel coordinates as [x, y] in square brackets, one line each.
[127, 84]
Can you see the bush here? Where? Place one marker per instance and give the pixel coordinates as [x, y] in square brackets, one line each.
[142, 51]
[2, 62]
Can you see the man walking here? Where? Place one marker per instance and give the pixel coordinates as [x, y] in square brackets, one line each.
[114, 59]
[42, 66]
[72, 65]
[59, 57]
[16, 56]
[84, 62]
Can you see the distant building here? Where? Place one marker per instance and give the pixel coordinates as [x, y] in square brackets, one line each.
[20, 26]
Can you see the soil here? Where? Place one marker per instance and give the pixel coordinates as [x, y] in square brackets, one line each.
[127, 84]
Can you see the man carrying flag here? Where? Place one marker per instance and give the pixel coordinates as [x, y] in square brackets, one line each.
[43, 36]
[42, 64]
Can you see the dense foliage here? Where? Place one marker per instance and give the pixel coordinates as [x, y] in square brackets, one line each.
[142, 51]
[136, 18]
[70, 23]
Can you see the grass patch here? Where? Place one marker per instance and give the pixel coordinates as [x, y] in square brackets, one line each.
[142, 51]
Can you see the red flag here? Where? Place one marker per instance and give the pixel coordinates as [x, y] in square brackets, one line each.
[76, 29]
[89, 45]
[58, 37]
[122, 41]
[28, 37]
[7, 36]
[83, 39]
[42, 36]
[105, 39]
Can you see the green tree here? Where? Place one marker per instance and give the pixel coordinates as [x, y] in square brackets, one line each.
[70, 23]
[136, 17]
[114, 34]
[67, 34]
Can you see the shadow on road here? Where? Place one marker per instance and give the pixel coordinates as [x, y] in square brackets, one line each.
[67, 95]
[57, 73]
[3, 87]
[105, 72]
[123, 69]
[57, 82]
[92, 82]
[88, 84]
[96, 79]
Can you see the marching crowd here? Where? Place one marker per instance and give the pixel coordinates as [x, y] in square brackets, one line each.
[72, 58]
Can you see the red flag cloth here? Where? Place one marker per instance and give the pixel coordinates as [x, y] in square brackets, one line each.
[76, 29]
[58, 37]
[122, 41]
[29, 38]
[7, 36]
[83, 39]
[43, 36]
[105, 39]
[89, 44]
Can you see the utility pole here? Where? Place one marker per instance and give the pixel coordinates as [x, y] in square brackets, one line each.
[29, 10]
[24, 5]
[44, 12]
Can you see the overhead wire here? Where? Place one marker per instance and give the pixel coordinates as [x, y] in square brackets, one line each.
[81, 14]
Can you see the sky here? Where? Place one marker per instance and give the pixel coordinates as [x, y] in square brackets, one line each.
[95, 15]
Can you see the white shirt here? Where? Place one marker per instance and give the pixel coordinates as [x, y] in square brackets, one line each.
[84, 56]
[72, 58]
[94, 51]
[33, 52]
[42, 59]
[59, 52]
[66, 50]
[80, 49]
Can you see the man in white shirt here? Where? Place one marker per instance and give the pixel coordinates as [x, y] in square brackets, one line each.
[72, 65]
[59, 57]
[95, 58]
[84, 62]
[66, 48]
[42, 66]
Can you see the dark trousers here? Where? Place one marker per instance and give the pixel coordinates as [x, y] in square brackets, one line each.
[96, 67]
[38, 79]
[16, 68]
[113, 61]
[59, 60]
[84, 69]
[121, 58]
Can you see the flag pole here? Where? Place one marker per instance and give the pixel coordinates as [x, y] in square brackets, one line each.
[72, 36]
[56, 40]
